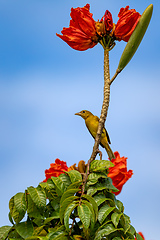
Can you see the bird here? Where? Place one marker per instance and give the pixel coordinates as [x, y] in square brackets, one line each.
[92, 122]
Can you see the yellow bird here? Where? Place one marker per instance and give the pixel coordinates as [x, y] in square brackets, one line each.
[92, 122]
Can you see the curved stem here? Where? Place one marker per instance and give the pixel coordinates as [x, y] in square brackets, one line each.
[104, 112]
[115, 75]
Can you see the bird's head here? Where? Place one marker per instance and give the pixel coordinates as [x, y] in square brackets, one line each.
[84, 114]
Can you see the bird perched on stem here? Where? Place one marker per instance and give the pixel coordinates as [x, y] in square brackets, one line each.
[92, 122]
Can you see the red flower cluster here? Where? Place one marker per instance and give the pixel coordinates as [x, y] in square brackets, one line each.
[55, 169]
[119, 173]
[84, 33]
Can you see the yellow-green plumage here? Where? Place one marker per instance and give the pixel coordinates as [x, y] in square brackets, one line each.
[92, 122]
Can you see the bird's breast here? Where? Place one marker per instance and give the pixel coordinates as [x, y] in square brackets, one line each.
[92, 125]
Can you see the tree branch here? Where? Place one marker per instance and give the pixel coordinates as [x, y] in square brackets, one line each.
[104, 112]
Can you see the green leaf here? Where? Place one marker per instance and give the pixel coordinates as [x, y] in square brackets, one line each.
[84, 214]
[13, 234]
[20, 202]
[36, 237]
[55, 203]
[109, 185]
[68, 212]
[63, 207]
[65, 179]
[117, 238]
[105, 232]
[132, 230]
[16, 215]
[125, 223]
[135, 38]
[50, 188]
[100, 198]
[57, 229]
[104, 212]
[4, 232]
[38, 230]
[115, 218]
[57, 233]
[97, 187]
[10, 218]
[32, 209]
[38, 221]
[93, 216]
[60, 186]
[94, 177]
[93, 202]
[38, 196]
[59, 237]
[11, 205]
[120, 206]
[25, 229]
[68, 193]
[100, 165]
[74, 176]
[77, 237]
[139, 237]
[75, 185]
[55, 215]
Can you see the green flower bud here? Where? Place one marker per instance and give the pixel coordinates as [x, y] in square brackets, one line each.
[135, 38]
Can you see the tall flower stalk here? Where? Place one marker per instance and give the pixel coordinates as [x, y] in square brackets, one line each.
[104, 111]
[105, 105]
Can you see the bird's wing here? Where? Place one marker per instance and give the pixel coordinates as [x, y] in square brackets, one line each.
[104, 131]
[108, 138]
[92, 125]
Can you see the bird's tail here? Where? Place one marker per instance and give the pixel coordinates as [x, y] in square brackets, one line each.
[109, 152]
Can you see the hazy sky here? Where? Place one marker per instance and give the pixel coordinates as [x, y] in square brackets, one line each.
[43, 82]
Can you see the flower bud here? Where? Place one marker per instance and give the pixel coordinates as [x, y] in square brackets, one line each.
[136, 38]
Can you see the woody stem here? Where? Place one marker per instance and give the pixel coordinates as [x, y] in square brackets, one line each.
[115, 75]
[104, 111]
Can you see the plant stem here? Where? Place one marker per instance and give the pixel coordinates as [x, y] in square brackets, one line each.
[104, 112]
[105, 105]
[115, 75]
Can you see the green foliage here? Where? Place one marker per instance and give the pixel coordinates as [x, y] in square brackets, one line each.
[4, 232]
[58, 210]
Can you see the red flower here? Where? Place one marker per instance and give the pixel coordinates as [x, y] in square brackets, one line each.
[118, 173]
[108, 21]
[81, 33]
[55, 169]
[126, 24]
[105, 25]
[141, 234]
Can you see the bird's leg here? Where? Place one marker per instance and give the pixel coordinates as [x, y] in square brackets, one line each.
[100, 153]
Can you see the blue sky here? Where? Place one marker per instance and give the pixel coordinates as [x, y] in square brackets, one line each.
[43, 82]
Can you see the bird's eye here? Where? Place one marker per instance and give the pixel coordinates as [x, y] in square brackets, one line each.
[83, 111]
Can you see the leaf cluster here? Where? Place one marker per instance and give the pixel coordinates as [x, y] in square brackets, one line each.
[56, 209]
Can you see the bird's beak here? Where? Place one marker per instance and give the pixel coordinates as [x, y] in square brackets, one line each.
[79, 114]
